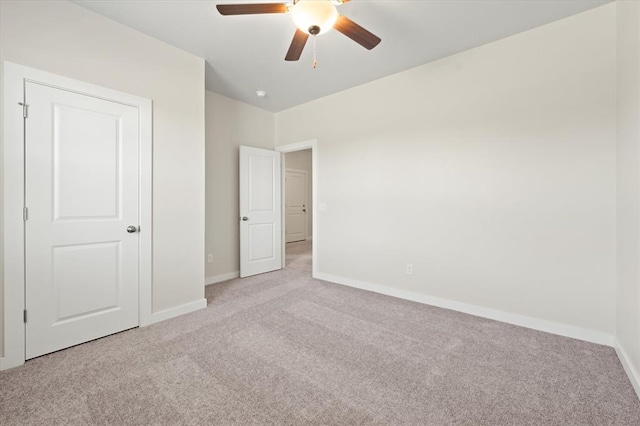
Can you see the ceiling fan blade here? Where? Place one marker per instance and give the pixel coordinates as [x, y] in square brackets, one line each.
[251, 9]
[356, 33]
[297, 45]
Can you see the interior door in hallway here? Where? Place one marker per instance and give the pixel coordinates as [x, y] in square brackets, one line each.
[296, 205]
[260, 211]
[81, 228]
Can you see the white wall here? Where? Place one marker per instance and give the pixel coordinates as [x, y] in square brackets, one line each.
[230, 123]
[63, 38]
[301, 160]
[492, 171]
[628, 309]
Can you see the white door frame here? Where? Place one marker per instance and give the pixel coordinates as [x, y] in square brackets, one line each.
[13, 178]
[300, 146]
[306, 198]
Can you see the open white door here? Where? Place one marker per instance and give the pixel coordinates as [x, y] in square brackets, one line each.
[260, 211]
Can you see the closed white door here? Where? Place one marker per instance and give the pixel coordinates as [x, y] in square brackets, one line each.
[81, 189]
[260, 211]
[295, 205]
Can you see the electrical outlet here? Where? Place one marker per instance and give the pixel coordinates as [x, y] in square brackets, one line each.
[209, 258]
[409, 269]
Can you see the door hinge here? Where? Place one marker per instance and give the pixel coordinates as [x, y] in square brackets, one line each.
[25, 214]
[25, 109]
[24, 315]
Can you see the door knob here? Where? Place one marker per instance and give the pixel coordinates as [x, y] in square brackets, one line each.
[244, 218]
[131, 229]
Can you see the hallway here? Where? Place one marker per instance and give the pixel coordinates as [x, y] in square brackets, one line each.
[299, 256]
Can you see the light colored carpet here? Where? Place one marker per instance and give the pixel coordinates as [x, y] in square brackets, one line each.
[282, 348]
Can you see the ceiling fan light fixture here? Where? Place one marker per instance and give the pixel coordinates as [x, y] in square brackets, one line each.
[311, 15]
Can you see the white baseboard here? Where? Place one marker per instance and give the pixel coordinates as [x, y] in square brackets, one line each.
[6, 363]
[480, 311]
[178, 310]
[222, 277]
[633, 374]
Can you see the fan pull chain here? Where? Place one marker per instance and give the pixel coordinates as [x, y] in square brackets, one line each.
[315, 62]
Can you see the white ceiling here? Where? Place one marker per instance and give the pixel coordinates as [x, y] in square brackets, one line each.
[246, 53]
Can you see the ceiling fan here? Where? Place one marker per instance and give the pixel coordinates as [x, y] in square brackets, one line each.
[312, 17]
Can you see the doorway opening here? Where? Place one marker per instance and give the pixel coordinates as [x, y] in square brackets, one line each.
[299, 169]
[298, 209]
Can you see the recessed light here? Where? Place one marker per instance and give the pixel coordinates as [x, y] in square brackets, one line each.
[261, 93]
